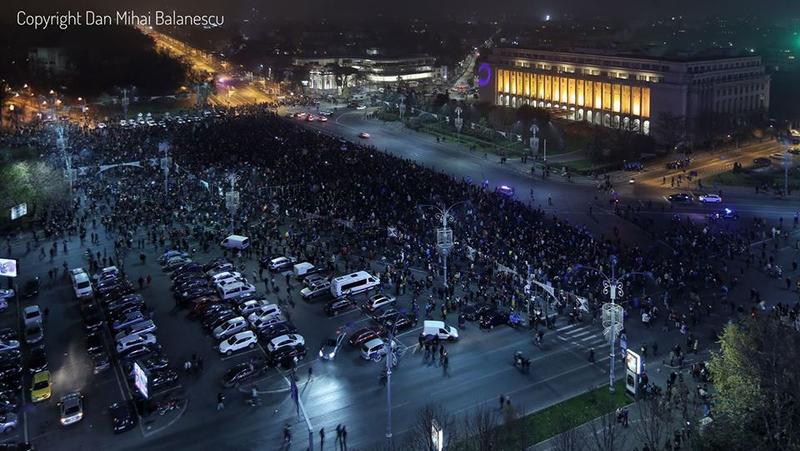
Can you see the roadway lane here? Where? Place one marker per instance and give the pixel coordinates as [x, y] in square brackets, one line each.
[570, 201]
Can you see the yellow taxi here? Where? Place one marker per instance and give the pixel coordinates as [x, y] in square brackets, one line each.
[40, 386]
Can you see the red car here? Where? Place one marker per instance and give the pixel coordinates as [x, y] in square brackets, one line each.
[366, 334]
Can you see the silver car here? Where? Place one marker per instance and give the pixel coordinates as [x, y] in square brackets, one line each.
[8, 422]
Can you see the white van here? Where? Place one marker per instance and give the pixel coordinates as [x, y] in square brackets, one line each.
[234, 290]
[236, 242]
[82, 285]
[439, 329]
[301, 269]
[357, 282]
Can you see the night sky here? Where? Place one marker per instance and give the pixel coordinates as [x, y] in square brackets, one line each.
[427, 9]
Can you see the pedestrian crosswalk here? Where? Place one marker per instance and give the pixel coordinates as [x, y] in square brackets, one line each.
[581, 335]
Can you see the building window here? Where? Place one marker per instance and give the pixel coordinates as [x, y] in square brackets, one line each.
[615, 103]
[626, 99]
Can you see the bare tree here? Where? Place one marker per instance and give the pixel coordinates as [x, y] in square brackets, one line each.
[421, 437]
[570, 439]
[655, 418]
[605, 433]
[480, 429]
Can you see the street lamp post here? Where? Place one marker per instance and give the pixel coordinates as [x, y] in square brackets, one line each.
[612, 312]
[232, 199]
[444, 234]
[391, 360]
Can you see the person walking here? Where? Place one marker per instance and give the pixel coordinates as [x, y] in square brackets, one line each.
[344, 438]
[338, 442]
[220, 401]
[321, 438]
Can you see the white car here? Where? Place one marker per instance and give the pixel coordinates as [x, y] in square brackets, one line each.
[230, 327]
[31, 314]
[374, 349]
[363, 135]
[378, 301]
[6, 293]
[244, 339]
[284, 341]
[132, 341]
[263, 312]
[225, 276]
[251, 306]
[710, 199]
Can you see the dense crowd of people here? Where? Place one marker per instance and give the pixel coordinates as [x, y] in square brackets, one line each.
[347, 205]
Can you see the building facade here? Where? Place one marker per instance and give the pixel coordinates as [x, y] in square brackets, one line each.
[624, 91]
[380, 70]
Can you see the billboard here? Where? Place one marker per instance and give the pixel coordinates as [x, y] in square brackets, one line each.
[8, 267]
[140, 379]
[19, 211]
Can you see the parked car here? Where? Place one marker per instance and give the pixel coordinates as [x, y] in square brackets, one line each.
[31, 314]
[127, 320]
[94, 343]
[8, 422]
[365, 334]
[123, 416]
[761, 162]
[6, 294]
[288, 340]
[384, 315]
[9, 345]
[374, 349]
[41, 388]
[248, 307]
[34, 333]
[281, 263]
[493, 318]
[140, 352]
[398, 323]
[132, 341]
[71, 408]
[30, 289]
[100, 361]
[161, 379]
[229, 327]
[262, 323]
[37, 359]
[287, 356]
[244, 372]
[378, 301]
[266, 311]
[473, 312]
[271, 331]
[9, 369]
[339, 306]
[239, 341]
[8, 333]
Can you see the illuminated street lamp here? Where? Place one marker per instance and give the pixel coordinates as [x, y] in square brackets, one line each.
[444, 234]
[613, 314]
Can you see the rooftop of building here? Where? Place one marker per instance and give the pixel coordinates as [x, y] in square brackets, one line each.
[653, 53]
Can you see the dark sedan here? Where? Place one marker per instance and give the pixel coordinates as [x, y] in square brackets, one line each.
[493, 318]
[398, 323]
[30, 289]
[338, 306]
[473, 312]
[190, 283]
[366, 334]
[160, 380]
[244, 372]
[194, 293]
[37, 360]
[123, 416]
[276, 330]
[285, 356]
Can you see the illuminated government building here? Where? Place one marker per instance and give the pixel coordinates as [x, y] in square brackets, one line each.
[624, 91]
